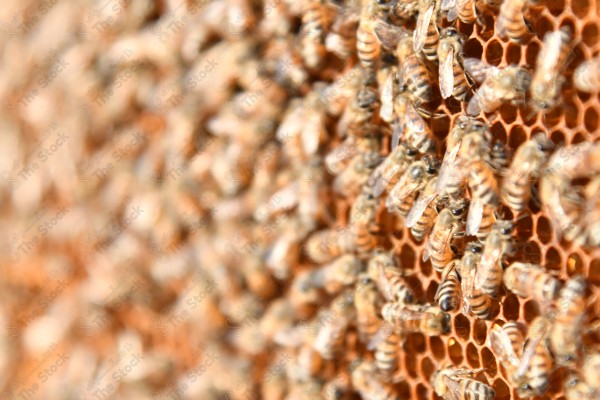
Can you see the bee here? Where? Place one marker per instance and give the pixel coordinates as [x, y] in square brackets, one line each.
[455, 384]
[587, 76]
[484, 194]
[511, 23]
[382, 269]
[507, 343]
[336, 388]
[403, 10]
[385, 349]
[536, 362]
[356, 120]
[530, 280]
[448, 295]
[473, 299]
[565, 336]
[316, 19]
[366, 302]
[410, 125]
[551, 60]
[325, 245]
[366, 382]
[564, 208]
[426, 319]
[332, 325]
[448, 226]
[453, 81]
[341, 272]
[426, 35]
[387, 174]
[364, 227]
[402, 196]
[421, 217]
[356, 174]
[368, 47]
[577, 389]
[389, 91]
[498, 244]
[339, 158]
[341, 40]
[508, 84]
[591, 371]
[413, 71]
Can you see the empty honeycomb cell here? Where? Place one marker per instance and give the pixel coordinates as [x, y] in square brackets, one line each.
[552, 260]
[580, 8]
[473, 48]
[517, 136]
[498, 131]
[531, 309]
[553, 117]
[465, 29]
[431, 290]
[543, 229]
[574, 264]
[590, 119]
[415, 342]
[578, 138]
[455, 351]
[589, 34]
[415, 284]
[494, 52]
[510, 307]
[410, 363]
[488, 361]
[524, 227]
[473, 356]
[530, 252]
[403, 389]
[508, 112]
[479, 331]
[437, 347]
[594, 272]
[558, 138]
[426, 267]
[440, 126]
[531, 52]
[462, 327]
[428, 367]
[513, 53]
[502, 390]
[422, 392]
[407, 257]
[556, 7]
[571, 114]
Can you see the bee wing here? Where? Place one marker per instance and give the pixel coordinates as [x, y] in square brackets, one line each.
[447, 75]
[415, 120]
[502, 346]
[410, 314]
[419, 208]
[467, 282]
[474, 217]
[447, 270]
[420, 32]
[474, 107]
[488, 259]
[312, 133]
[448, 5]
[406, 188]
[387, 99]
[385, 331]
[388, 35]
[397, 131]
[447, 170]
[477, 69]
[453, 389]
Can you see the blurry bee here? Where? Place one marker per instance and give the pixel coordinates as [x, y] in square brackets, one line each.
[382, 269]
[511, 23]
[325, 245]
[316, 19]
[587, 76]
[387, 174]
[341, 40]
[341, 272]
[385, 349]
[448, 226]
[350, 181]
[529, 280]
[498, 244]
[413, 71]
[403, 10]
[337, 387]
[426, 36]
[332, 325]
[278, 316]
[448, 295]
[507, 343]
[473, 299]
[426, 319]
[577, 389]
[421, 217]
[565, 336]
[498, 85]
[551, 60]
[366, 302]
[365, 381]
[564, 208]
[455, 384]
[536, 363]
[499, 156]
[339, 158]
[363, 219]
[453, 81]
[368, 47]
[356, 120]
[409, 125]
[591, 371]
[402, 196]
[339, 93]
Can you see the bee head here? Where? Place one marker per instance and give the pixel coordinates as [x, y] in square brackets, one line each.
[432, 164]
[474, 247]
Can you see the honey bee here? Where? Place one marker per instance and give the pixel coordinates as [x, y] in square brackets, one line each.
[332, 325]
[385, 346]
[564, 208]
[551, 60]
[448, 226]
[325, 245]
[403, 10]
[453, 81]
[426, 35]
[338, 159]
[349, 182]
[341, 40]
[421, 217]
[364, 227]
[368, 47]
[316, 19]
[366, 302]
[577, 389]
[448, 294]
[498, 244]
[387, 174]
[587, 76]
[511, 23]
[484, 192]
[507, 343]
[536, 362]
[591, 371]
[341, 272]
[413, 71]
[402, 196]
[530, 280]
[473, 299]
[389, 91]
[356, 120]
[382, 269]
[426, 319]
[336, 388]
[508, 84]
[365, 381]
[456, 384]
[565, 336]
[410, 125]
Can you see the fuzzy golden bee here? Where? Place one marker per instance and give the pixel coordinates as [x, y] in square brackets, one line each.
[529, 280]
[366, 302]
[426, 319]
[387, 174]
[497, 245]
[587, 76]
[453, 81]
[511, 22]
[426, 36]
[474, 299]
[448, 294]
[457, 384]
[389, 278]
